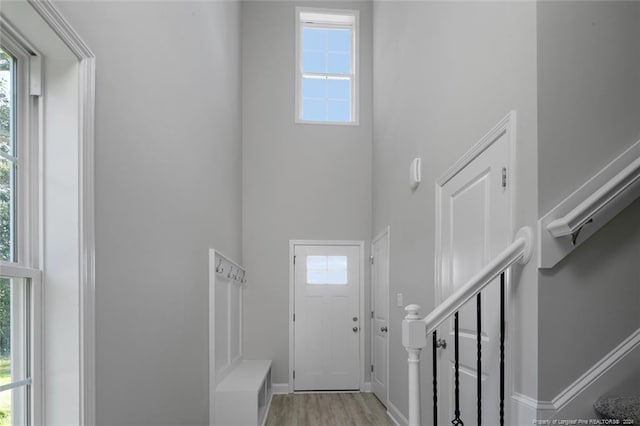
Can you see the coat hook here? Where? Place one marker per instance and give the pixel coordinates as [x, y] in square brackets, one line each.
[574, 235]
[219, 264]
[229, 274]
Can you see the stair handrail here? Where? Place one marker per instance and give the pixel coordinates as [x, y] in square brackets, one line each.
[572, 222]
[416, 329]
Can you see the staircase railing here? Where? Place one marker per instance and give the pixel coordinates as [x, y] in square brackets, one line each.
[415, 329]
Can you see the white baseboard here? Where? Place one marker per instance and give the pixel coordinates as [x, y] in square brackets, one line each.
[280, 388]
[576, 401]
[283, 388]
[395, 414]
[614, 368]
[523, 409]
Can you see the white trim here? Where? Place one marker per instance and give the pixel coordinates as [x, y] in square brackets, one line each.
[396, 415]
[386, 232]
[601, 198]
[354, 77]
[506, 126]
[588, 381]
[216, 376]
[524, 409]
[292, 245]
[600, 368]
[86, 135]
[280, 388]
[366, 387]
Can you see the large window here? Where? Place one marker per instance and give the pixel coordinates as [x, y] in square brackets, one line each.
[19, 278]
[326, 66]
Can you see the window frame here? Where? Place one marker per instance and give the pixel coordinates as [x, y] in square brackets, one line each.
[27, 247]
[355, 60]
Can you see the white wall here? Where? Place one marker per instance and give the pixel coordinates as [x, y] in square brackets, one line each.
[300, 181]
[589, 104]
[444, 74]
[168, 163]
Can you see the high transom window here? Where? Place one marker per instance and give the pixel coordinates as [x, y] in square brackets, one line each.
[326, 66]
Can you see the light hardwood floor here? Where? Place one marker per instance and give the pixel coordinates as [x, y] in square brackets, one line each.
[327, 409]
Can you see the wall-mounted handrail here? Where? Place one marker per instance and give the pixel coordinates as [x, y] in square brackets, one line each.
[415, 329]
[574, 220]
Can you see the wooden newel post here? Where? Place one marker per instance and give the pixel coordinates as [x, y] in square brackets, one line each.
[414, 338]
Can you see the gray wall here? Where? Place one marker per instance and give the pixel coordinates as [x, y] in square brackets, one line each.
[300, 181]
[168, 171]
[589, 104]
[444, 74]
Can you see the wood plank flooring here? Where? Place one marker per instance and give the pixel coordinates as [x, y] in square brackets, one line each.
[327, 409]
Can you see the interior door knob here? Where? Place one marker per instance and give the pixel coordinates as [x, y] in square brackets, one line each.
[355, 329]
[384, 329]
[441, 343]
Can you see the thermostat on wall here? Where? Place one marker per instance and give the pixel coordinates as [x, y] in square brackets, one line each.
[415, 173]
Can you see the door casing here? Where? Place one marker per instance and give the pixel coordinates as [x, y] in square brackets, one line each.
[386, 233]
[363, 324]
[506, 127]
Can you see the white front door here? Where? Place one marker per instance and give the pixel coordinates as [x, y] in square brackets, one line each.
[474, 225]
[327, 317]
[380, 316]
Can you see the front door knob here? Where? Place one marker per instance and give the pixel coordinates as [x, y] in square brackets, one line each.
[441, 343]
[384, 329]
[355, 329]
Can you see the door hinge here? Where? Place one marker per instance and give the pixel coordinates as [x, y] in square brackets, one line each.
[371, 259]
[294, 260]
[294, 317]
[371, 314]
[372, 368]
[504, 177]
[294, 374]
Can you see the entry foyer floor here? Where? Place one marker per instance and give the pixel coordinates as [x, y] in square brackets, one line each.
[323, 409]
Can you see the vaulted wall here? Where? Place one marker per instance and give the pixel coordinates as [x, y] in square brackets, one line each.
[444, 74]
[300, 181]
[167, 187]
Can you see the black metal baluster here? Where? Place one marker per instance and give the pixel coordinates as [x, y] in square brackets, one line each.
[479, 355]
[502, 330]
[435, 379]
[456, 420]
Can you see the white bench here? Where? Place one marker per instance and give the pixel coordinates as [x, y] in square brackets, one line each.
[244, 395]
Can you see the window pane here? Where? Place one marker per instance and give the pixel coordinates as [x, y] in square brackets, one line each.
[7, 212]
[6, 102]
[314, 62]
[5, 403]
[340, 40]
[339, 89]
[314, 39]
[314, 88]
[14, 330]
[339, 111]
[330, 270]
[314, 110]
[339, 63]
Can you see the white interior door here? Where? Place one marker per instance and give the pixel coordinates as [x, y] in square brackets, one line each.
[380, 316]
[327, 317]
[475, 225]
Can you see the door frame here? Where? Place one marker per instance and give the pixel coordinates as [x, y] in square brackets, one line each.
[292, 247]
[387, 232]
[507, 127]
